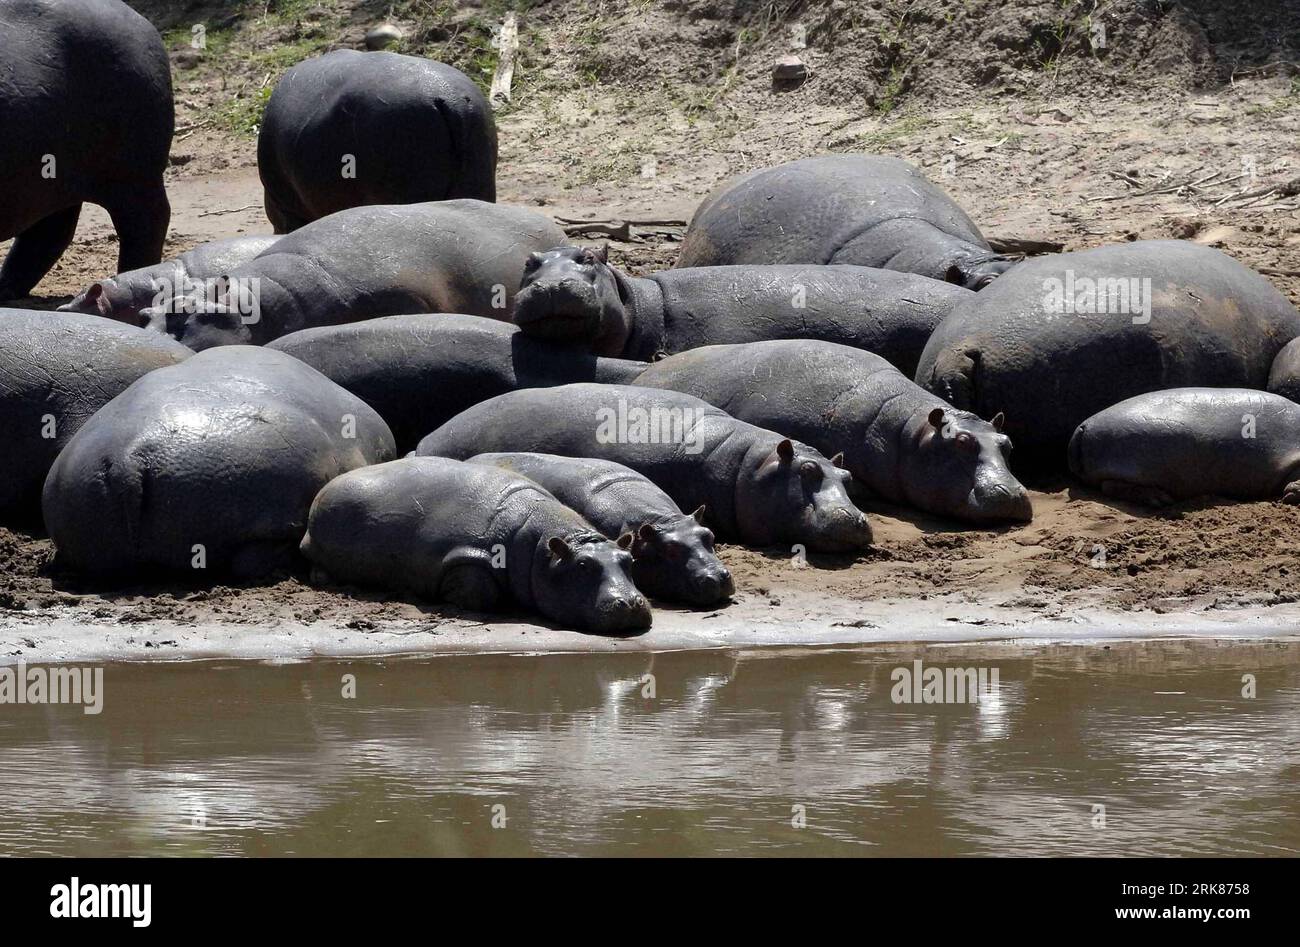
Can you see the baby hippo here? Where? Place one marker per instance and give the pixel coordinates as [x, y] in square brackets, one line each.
[760, 488]
[1171, 445]
[672, 553]
[474, 535]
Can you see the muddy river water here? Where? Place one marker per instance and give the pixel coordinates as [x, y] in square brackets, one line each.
[1163, 747]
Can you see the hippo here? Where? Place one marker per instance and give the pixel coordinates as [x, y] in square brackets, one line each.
[573, 295]
[55, 372]
[124, 296]
[1284, 374]
[474, 535]
[208, 467]
[381, 260]
[860, 209]
[86, 108]
[672, 552]
[419, 373]
[1061, 337]
[1163, 446]
[350, 128]
[758, 487]
[900, 441]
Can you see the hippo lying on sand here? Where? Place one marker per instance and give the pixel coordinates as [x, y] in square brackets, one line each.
[86, 111]
[859, 209]
[902, 442]
[476, 536]
[1061, 337]
[1171, 445]
[55, 372]
[672, 552]
[211, 464]
[759, 487]
[442, 256]
[419, 373]
[351, 128]
[126, 295]
[573, 295]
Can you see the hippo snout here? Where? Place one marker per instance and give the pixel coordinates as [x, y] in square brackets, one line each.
[622, 613]
[1002, 502]
[843, 530]
[711, 586]
[557, 302]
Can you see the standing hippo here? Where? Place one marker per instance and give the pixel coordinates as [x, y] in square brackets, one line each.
[1284, 375]
[349, 128]
[1061, 337]
[860, 209]
[211, 465]
[55, 372]
[672, 553]
[419, 373]
[124, 296]
[1170, 445]
[902, 442]
[573, 295]
[86, 109]
[759, 487]
[441, 256]
[476, 536]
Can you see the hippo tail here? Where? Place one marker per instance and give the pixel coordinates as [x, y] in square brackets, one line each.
[954, 377]
[1075, 451]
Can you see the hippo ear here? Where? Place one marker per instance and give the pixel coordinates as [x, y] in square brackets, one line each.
[624, 541]
[602, 254]
[936, 417]
[785, 450]
[838, 460]
[955, 275]
[646, 532]
[699, 514]
[999, 419]
[560, 549]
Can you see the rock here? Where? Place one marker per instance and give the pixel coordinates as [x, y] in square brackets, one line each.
[788, 73]
[187, 59]
[383, 36]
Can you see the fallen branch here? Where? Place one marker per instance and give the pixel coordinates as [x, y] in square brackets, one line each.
[1025, 245]
[230, 210]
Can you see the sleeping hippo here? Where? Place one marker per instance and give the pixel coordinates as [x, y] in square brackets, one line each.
[860, 209]
[573, 295]
[86, 109]
[1061, 337]
[758, 487]
[476, 536]
[207, 467]
[1171, 445]
[672, 552]
[124, 296]
[388, 259]
[1284, 374]
[419, 373]
[350, 128]
[899, 440]
[55, 372]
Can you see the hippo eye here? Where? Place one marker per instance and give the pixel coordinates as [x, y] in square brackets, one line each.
[810, 471]
[967, 441]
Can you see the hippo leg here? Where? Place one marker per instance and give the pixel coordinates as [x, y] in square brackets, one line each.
[35, 250]
[1136, 493]
[140, 219]
[471, 586]
[282, 220]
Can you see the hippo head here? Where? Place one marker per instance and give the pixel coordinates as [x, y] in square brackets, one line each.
[796, 495]
[105, 298]
[956, 463]
[571, 294]
[587, 581]
[673, 559]
[197, 323]
[977, 272]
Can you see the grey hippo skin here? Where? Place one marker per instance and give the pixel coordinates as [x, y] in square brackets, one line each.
[903, 443]
[476, 536]
[225, 451]
[416, 130]
[84, 84]
[1284, 376]
[55, 372]
[124, 296]
[758, 487]
[573, 295]
[1165, 446]
[859, 209]
[1206, 321]
[672, 552]
[419, 373]
[442, 256]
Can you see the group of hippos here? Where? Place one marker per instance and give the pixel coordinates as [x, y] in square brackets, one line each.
[562, 436]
